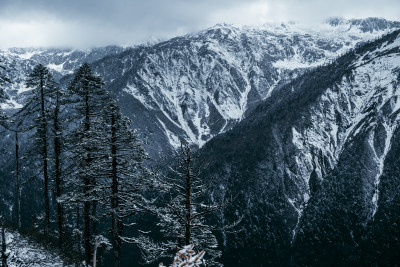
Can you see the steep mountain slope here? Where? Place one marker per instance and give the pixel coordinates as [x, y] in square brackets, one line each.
[316, 148]
[307, 164]
[197, 86]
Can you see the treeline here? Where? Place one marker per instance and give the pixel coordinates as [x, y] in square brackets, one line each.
[95, 181]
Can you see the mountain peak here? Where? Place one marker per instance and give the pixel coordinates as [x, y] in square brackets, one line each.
[335, 21]
[222, 25]
[374, 24]
[370, 24]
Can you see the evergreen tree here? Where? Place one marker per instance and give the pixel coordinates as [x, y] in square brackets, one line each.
[18, 180]
[3, 95]
[126, 177]
[10, 124]
[56, 125]
[3, 81]
[36, 113]
[85, 149]
[57, 159]
[183, 218]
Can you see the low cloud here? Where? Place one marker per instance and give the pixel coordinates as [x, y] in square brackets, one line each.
[77, 23]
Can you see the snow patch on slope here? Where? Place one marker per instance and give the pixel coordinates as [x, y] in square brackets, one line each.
[131, 89]
[380, 161]
[173, 139]
[353, 106]
[22, 252]
[58, 68]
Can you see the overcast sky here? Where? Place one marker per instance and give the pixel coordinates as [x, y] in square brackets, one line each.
[88, 23]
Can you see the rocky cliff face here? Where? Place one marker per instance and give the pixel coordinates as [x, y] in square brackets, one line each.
[200, 85]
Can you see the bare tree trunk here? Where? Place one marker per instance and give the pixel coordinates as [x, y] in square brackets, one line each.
[78, 241]
[86, 233]
[94, 222]
[18, 180]
[188, 196]
[86, 206]
[57, 154]
[116, 223]
[4, 255]
[45, 159]
[95, 253]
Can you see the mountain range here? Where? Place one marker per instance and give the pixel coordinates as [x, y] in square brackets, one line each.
[299, 124]
[197, 86]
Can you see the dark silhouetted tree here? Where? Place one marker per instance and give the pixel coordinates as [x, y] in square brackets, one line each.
[183, 216]
[85, 148]
[36, 114]
[126, 178]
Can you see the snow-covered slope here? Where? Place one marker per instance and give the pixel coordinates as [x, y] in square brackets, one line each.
[308, 162]
[197, 86]
[204, 83]
[303, 154]
[364, 102]
[23, 252]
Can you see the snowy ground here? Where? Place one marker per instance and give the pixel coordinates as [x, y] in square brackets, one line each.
[22, 252]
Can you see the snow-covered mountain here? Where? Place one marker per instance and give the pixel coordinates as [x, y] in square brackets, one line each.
[21, 61]
[316, 164]
[200, 85]
[197, 86]
[301, 125]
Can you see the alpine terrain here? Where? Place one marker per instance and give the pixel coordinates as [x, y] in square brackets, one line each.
[297, 128]
[197, 86]
[314, 165]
